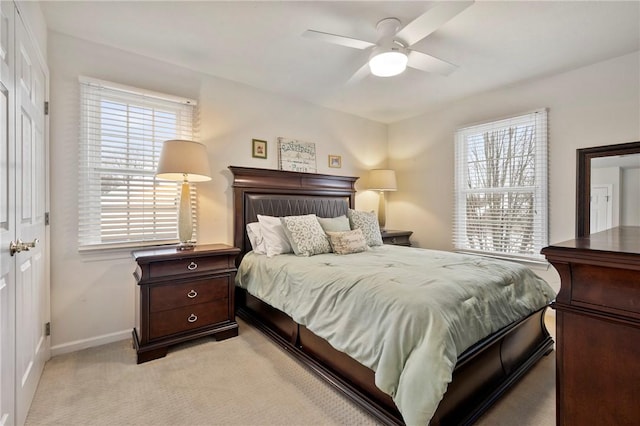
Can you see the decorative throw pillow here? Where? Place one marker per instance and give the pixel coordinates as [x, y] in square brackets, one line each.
[275, 240]
[254, 232]
[335, 224]
[305, 235]
[368, 223]
[348, 242]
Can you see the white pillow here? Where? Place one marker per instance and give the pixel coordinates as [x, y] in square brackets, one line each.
[254, 232]
[306, 235]
[275, 239]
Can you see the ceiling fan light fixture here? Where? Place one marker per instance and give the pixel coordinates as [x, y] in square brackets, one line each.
[388, 62]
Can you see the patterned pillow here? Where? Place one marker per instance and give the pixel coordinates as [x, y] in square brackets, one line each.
[335, 224]
[368, 223]
[305, 235]
[347, 242]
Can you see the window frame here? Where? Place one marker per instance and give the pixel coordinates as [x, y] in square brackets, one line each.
[540, 190]
[92, 171]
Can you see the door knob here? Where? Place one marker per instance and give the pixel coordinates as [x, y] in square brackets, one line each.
[18, 246]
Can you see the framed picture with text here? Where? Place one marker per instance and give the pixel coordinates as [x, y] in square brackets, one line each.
[297, 156]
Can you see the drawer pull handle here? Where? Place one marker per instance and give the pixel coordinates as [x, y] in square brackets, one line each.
[192, 294]
[192, 266]
[192, 318]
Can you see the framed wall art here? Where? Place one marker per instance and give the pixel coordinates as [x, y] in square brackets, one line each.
[296, 156]
[258, 148]
[335, 161]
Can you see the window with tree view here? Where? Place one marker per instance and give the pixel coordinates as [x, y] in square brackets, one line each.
[501, 187]
[122, 132]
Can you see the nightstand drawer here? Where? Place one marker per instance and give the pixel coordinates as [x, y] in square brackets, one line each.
[171, 296]
[398, 238]
[187, 266]
[164, 323]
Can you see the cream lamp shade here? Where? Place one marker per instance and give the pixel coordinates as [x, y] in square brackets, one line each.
[186, 161]
[180, 157]
[382, 180]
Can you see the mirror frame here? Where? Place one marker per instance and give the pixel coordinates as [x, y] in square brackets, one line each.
[583, 181]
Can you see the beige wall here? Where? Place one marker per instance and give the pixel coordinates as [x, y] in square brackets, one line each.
[591, 106]
[92, 295]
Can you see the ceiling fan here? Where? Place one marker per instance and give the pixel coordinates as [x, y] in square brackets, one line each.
[392, 52]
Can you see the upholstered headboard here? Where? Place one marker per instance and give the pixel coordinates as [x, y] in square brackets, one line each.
[283, 193]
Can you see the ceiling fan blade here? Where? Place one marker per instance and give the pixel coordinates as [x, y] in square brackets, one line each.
[336, 39]
[359, 75]
[428, 63]
[431, 20]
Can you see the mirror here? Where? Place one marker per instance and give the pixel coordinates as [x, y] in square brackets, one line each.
[608, 187]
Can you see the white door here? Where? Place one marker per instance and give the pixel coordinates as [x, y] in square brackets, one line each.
[601, 209]
[32, 291]
[7, 217]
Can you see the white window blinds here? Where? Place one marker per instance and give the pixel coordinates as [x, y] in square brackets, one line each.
[122, 131]
[501, 187]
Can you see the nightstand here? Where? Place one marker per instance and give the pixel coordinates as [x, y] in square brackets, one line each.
[396, 237]
[183, 295]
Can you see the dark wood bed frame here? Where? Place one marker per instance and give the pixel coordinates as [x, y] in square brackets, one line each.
[483, 372]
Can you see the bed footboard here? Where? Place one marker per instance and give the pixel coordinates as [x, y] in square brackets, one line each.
[483, 372]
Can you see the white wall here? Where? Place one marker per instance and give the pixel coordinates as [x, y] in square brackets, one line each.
[630, 204]
[92, 299]
[591, 106]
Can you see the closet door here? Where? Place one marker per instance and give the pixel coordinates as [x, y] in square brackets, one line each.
[32, 284]
[7, 216]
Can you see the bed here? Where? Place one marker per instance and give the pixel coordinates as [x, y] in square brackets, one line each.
[482, 373]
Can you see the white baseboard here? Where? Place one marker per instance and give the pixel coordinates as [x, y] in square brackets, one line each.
[90, 343]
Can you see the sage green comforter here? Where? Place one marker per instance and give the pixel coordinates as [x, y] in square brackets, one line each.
[406, 313]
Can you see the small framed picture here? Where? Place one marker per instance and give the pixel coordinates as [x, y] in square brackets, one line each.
[258, 148]
[335, 161]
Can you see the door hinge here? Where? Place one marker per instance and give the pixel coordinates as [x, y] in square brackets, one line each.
[46, 107]
[46, 219]
[47, 329]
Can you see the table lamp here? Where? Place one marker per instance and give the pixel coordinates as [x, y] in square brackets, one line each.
[186, 161]
[382, 180]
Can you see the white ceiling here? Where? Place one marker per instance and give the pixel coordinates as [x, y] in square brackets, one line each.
[259, 43]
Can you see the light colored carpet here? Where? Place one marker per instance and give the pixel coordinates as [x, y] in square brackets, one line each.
[246, 380]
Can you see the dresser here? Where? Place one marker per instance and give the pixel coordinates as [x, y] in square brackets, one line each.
[396, 237]
[183, 295]
[598, 328]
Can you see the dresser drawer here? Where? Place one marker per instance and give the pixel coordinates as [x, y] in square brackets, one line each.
[192, 265]
[164, 323]
[610, 288]
[170, 296]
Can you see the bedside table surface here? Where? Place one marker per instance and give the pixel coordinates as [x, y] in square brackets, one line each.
[394, 232]
[171, 252]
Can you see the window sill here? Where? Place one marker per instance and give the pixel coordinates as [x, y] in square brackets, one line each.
[102, 252]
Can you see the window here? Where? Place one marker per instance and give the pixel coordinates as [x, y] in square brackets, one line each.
[501, 187]
[122, 131]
